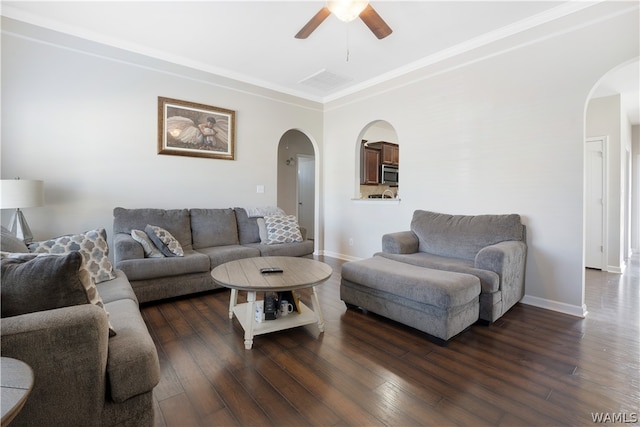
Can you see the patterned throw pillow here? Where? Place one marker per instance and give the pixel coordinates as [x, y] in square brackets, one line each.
[51, 281]
[91, 244]
[282, 229]
[167, 244]
[150, 249]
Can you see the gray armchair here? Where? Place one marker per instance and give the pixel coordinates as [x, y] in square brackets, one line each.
[490, 247]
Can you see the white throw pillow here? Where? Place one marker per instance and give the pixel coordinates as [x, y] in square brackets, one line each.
[91, 244]
[262, 230]
[282, 229]
[150, 250]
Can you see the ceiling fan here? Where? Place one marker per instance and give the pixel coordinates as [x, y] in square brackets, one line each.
[348, 10]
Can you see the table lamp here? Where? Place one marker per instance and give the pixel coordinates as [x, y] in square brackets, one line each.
[21, 193]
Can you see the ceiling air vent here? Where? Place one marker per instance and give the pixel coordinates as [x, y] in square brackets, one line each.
[325, 80]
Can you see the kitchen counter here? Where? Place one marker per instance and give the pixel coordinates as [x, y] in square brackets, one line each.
[394, 201]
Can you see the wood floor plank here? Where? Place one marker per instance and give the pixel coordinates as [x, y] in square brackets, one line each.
[349, 411]
[169, 382]
[419, 379]
[532, 367]
[309, 406]
[178, 412]
[384, 409]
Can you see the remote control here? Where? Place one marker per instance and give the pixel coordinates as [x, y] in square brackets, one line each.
[269, 270]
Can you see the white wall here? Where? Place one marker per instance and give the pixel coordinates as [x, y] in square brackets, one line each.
[87, 126]
[499, 134]
[635, 189]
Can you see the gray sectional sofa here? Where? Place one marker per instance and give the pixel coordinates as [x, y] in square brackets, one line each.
[82, 375]
[209, 237]
[483, 257]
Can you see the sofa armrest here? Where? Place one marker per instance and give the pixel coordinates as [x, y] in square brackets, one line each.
[125, 247]
[508, 260]
[67, 349]
[402, 242]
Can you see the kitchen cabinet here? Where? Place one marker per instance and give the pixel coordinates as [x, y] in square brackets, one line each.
[390, 154]
[370, 167]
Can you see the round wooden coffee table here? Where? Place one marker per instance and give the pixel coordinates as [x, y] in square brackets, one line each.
[17, 382]
[245, 275]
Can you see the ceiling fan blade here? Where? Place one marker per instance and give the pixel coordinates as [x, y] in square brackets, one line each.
[313, 23]
[375, 22]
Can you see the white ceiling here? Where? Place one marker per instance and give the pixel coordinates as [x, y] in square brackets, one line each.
[253, 41]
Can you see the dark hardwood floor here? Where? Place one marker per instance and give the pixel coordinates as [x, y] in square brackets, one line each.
[532, 367]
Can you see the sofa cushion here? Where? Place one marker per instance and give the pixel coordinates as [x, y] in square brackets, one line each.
[462, 236]
[91, 244]
[168, 245]
[282, 229]
[149, 248]
[247, 227]
[438, 288]
[213, 227]
[489, 280]
[175, 221]
[221, 254]
[153, 268]
[116, 289]
[284, 249]
[132, 362]
[10, 243]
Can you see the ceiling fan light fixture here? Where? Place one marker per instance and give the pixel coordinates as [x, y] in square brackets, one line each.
[347, 10]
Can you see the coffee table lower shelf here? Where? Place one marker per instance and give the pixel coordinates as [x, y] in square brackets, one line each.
[245, 315]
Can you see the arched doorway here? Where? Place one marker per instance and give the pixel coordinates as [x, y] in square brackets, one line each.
[297, 179]
[612, 216]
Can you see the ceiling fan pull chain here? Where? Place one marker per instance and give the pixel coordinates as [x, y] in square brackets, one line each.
[347, 36]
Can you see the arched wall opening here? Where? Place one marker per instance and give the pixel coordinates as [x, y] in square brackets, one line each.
[374, 140]
[612, 170]
[298, 179]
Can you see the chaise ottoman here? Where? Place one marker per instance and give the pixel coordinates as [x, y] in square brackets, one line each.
[440, 303]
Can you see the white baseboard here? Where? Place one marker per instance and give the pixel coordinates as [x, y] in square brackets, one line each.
[615, 269]
[573, 310]
[339, 256]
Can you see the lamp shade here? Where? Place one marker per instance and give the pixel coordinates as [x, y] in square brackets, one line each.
[21, 193]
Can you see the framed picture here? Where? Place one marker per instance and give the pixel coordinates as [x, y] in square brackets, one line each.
[196, 130]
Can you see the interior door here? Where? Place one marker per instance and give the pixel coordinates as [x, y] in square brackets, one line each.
[306, 193]
[595, 203]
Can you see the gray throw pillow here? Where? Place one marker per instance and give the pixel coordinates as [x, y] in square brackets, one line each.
[38, 282]
[42, 283]
[10, 243]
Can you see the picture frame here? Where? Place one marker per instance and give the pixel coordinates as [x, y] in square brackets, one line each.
[196, 130]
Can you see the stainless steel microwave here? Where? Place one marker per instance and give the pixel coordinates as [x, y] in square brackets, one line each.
[389, 175]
